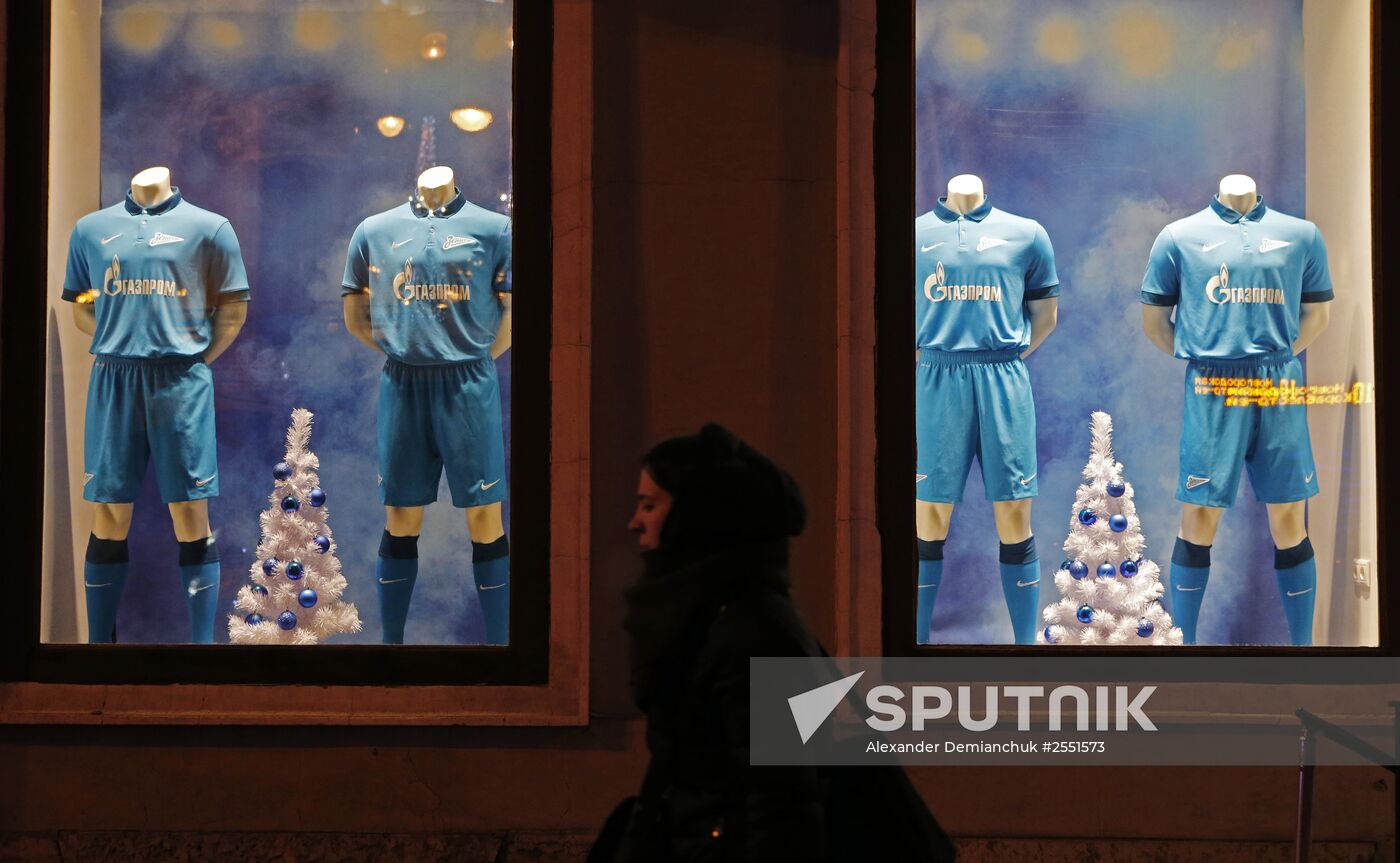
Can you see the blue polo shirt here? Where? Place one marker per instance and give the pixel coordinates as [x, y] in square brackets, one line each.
[975, 272]
[432, 277]
[155, 275]
[1237, 280]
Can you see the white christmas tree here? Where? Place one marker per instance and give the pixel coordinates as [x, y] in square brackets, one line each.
[1110, 593]
[294, 597]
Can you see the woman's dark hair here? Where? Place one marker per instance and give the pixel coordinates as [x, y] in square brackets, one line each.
[724, 491]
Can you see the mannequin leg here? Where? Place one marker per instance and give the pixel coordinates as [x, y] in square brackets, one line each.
[931, 525]
[105, 568]
[397, 569]
[1020, 566]
[1295, 567]
[491, 569]
[199, 566]
[1190, 569]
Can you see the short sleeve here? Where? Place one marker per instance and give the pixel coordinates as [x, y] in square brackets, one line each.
[500, 279]
[1317, 280]
[228, 280]
[1041, 279]
[76, 281]
[1161, 284]
[356, 278]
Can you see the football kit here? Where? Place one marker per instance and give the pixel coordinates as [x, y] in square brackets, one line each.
[975, 272]
[154, 275]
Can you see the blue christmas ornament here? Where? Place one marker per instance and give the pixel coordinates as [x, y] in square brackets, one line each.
[253, 619]
[323, 544]
[1118, 523]
[287, 620]
[1086, 516]
[281, 471]
[317, 497]
[1050, 639]
[1085, 614]
[1064, 564]
[1129, 568]
[290, 504]
[294, 570]
[270, 566]
[1078, 569]
[307, 598]
[1116, 489]
[258, 589]
[1144, 627]
[1106, 570]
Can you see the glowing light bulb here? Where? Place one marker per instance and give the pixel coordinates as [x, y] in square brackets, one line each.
[434, 46]
[389, 125]
[471, 119]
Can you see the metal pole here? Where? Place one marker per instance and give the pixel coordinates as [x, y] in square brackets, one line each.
[1303, 837]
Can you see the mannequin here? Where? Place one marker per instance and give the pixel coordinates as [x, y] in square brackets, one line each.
[436, 241]
[198, 243]
[1196, 252]
[959, 346]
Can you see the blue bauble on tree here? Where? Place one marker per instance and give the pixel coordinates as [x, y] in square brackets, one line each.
[1106, 570]
[281, 471]
[290, 504]
[1116, 489]
[1086, 516]
[1085, 614]
[1129, 568]
[323, 544]
[1050, 638]
[1144, 627]
[1118, 523]
[307, 598]
[253, 619]
[287, 620]
[1064, 564]
[258, 589]
[317, 497]
[294, 570]
[270, 566]
[1078, 569]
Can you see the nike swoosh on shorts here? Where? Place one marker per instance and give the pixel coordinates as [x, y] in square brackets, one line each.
[391, 580]
[1184, 589]
[1027, 583]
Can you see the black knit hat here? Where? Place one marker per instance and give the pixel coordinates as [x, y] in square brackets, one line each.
[724, 491]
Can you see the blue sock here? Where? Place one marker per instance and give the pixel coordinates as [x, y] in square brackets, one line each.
[104, 576]
[491, 572]
[199, 575]
[1297, 582]
[930, 576]
[1187, 585]
[396, 573]
[1020, 581]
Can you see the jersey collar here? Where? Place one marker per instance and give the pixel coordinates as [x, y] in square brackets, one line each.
[942, 211]
[449, 209]
[1232, 216]
[165, 206]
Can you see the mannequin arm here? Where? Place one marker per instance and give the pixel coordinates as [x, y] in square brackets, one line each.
[228, 320]
[502, 342]
[85, 317]
[1044, 315]
[1312, 319]
[1157, 323]
[357, 318]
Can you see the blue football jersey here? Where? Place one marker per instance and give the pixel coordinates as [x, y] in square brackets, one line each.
[1237, 280]
[155, 276]
[974, 274]
[432, 277]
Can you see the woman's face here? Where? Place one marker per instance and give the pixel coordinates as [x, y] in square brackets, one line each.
[653, 505]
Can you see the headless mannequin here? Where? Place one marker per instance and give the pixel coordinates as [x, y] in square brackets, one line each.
[436, 187]
[1200, 523]
[1013, 517]
[150, 188]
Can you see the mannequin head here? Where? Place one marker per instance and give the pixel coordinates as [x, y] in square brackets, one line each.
[151, 186]
[965, 193]
[436, 186]
[1238, 192]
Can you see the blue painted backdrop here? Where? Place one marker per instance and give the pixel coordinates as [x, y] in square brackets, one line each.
[267, 115]
[1104, 121]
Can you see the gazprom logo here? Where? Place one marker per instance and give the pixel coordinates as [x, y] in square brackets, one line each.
[1219, 292]
[936, 289]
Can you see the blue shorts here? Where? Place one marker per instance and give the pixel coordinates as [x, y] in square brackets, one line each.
[974, 403]
[435, 417]
[149, 409]
[1271, 439]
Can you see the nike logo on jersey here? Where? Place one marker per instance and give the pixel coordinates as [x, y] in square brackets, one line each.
[988, 243]
[931, 248]
[453, 242]
[1299, 592]
[1027, 480]
[1187, 589]
[201, 483]
[1193, 481]
[400, 243]
[920, 477]
[1309, 477]
[1211, 246]
[1020, 583]
[105, 584]
[490, 586]
[391, 580]
[87, 478]
[486, 485]
[1269, 245]
[195, 588]
[922, 586]
[109, 239]
[161, 239]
